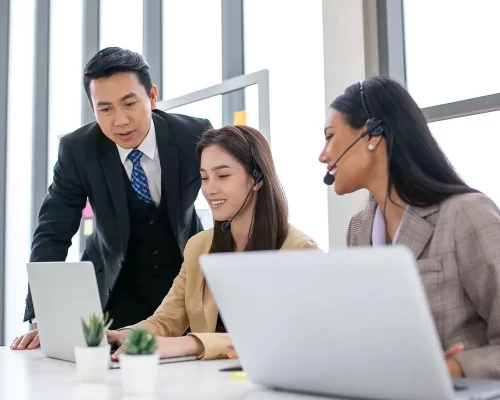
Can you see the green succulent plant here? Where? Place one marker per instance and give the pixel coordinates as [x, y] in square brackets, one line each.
[140, 343]
[95, 329]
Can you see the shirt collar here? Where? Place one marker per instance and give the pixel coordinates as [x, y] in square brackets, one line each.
[147, 147]
[378, 229]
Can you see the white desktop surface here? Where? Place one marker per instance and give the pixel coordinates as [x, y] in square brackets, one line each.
[28, 375]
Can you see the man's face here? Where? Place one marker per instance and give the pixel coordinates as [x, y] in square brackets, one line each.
[122, 108]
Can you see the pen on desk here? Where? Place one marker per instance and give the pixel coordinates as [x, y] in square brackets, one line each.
[232, 369]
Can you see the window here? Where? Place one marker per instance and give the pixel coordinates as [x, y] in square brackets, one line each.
[121, 24]
[211, 109]
[471, 144]
[192, 46]
[19, 164]
[451, 49]
[251, 94]
[290, 45]
[65, 82]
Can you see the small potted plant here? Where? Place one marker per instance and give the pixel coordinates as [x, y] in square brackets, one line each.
[139, 363]
[92, 360]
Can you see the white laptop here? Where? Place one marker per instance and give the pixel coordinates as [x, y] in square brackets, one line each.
[349, 323]
[63, 293]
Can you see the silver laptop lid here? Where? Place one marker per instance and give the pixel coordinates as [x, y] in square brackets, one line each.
[63, 293]
[352, 322]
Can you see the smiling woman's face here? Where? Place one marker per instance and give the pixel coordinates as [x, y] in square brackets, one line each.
[353, 168]
[225, 183]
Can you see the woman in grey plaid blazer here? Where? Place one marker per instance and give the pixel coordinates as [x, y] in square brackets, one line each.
[377, 139]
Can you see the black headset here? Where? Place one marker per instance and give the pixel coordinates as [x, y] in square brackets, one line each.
[374, 126]
[256, 173]
[257, 178]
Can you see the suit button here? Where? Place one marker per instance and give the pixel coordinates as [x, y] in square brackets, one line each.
[155, 252]
[108, 292]
[155, 267]
[152, 221]
[120, 264]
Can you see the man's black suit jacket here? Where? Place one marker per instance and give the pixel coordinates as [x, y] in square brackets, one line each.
[89, 166]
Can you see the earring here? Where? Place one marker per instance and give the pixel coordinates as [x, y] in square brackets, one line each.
[371, 147]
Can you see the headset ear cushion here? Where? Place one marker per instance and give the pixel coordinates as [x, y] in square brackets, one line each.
[257, 176]
[375, 128]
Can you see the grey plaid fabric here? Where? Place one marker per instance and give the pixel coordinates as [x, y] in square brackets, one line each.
[457, 248]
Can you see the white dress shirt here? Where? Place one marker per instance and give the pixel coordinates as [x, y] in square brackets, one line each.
[378, 229]
[150, 162]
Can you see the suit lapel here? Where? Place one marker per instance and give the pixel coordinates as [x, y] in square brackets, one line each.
[113, 171]
[416, 232]
[364, 234]
[169, 161]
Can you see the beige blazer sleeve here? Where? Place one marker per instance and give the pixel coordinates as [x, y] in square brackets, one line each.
[215, 344]
[477, 236]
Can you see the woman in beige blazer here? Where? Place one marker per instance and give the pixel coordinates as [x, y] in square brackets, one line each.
[377, 139]
[240, 184]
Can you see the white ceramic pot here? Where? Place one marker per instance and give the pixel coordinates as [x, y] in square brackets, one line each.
[92, 363]
[139, 374]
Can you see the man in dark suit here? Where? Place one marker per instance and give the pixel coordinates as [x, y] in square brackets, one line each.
[138, 168]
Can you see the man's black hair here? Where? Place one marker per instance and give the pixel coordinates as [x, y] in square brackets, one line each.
[113, 60]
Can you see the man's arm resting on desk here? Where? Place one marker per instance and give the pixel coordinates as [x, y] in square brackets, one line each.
[58, 222]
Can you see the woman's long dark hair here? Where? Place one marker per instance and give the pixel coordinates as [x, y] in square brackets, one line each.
[417, 167]
[269, 227]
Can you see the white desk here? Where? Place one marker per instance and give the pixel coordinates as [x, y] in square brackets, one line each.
[28, 375]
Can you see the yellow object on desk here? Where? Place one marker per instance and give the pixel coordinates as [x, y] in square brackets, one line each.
[238, 375]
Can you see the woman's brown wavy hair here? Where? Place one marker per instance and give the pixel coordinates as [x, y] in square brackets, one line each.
[269, 227]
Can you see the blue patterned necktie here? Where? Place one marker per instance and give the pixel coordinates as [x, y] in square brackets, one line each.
[139, 180]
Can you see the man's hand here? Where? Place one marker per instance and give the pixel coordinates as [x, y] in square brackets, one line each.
[28, 341]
